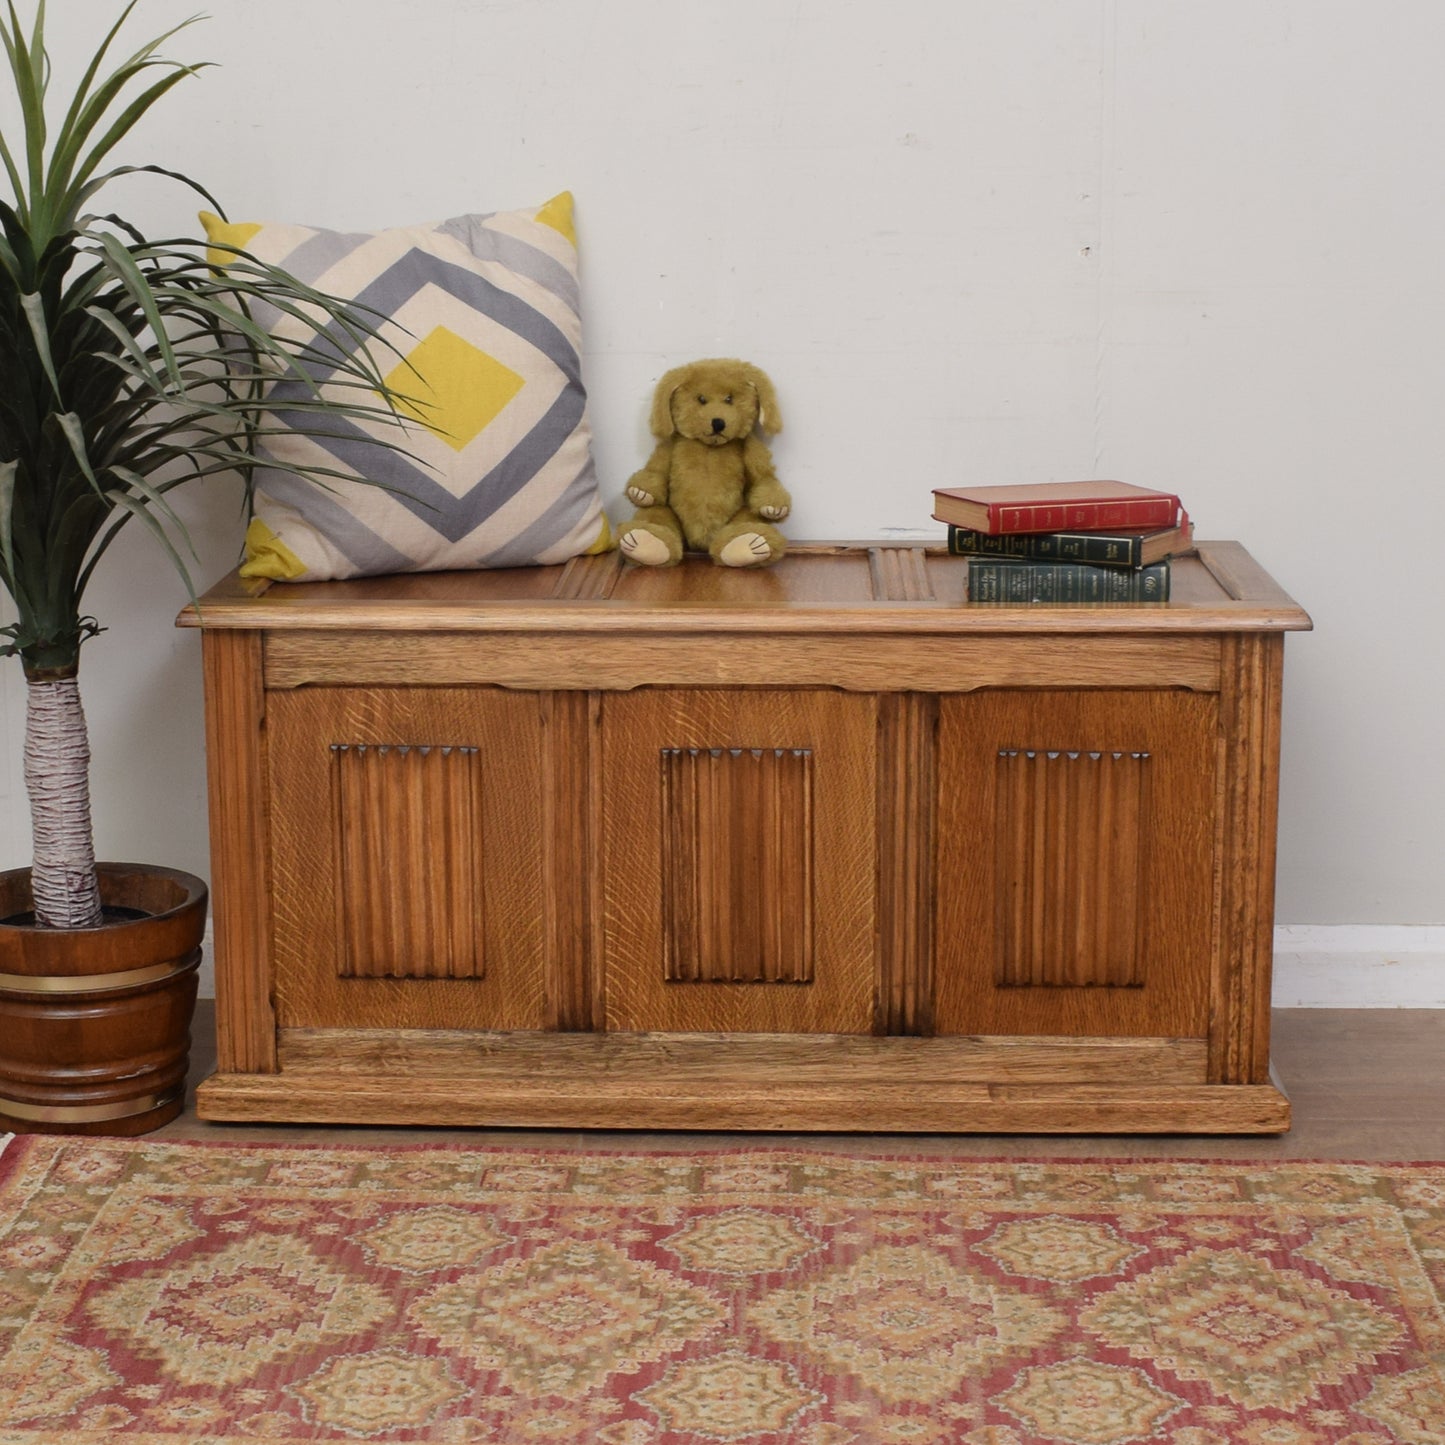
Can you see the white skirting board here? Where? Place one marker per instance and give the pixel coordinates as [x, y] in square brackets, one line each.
[1315, 966]
[1359, 966]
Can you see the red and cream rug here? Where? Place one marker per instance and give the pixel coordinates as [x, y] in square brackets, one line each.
[212, 1294]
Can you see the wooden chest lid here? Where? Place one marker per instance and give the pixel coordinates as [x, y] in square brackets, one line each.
[819, 587]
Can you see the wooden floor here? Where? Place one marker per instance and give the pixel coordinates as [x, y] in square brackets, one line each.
[1364, 1084]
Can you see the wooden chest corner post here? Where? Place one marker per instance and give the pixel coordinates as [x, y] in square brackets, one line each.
[1251, 674]
[236, 785]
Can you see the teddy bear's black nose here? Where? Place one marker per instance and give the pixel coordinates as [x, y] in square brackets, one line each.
[718, 423]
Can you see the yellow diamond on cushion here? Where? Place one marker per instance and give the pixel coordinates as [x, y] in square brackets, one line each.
[453, 388]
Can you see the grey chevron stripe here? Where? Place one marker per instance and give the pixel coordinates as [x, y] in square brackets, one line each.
[454, 517]
[450, 516]
[559, 519]
[319, 253]
[307, 262]
[536, 265]
[395, 286]
[368, 552]
[527, 458]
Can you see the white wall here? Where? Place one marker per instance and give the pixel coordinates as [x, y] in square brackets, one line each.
[1190, 243]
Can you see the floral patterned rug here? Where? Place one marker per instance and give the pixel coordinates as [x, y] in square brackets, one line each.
[210, 1294]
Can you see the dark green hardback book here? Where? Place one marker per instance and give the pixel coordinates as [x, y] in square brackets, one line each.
[1018, 580]
[1100, 549]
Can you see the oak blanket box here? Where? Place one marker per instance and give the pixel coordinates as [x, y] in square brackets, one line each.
[820, 847]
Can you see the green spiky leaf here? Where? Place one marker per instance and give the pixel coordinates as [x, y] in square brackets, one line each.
[131, 365]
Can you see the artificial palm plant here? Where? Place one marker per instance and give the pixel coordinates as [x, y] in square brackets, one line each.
[127, 367]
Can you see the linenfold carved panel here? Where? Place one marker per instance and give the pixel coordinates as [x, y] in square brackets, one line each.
[409, 851]
[737, 867]
[1072, 833]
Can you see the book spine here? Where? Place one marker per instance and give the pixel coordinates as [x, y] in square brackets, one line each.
[1101, 549]
[1141, 514]
[1015, 580]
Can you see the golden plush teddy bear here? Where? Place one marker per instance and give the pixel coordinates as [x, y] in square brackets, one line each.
[709, 484]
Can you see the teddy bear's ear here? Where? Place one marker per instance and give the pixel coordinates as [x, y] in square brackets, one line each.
[661, 421]
[770, 419]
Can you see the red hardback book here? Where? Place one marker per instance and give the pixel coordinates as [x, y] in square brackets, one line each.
[1057, 507]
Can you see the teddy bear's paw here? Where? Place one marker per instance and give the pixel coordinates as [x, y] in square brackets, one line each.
[748, 550]
[639, 497]
[643, 548]
[773, 514]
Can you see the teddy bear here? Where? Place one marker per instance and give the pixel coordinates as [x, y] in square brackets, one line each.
[709, 485]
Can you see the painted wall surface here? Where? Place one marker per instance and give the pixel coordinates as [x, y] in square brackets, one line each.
[1188, 243]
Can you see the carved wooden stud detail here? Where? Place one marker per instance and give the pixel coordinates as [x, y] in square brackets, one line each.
[1072, 839]
[409, 861]
[737, 865]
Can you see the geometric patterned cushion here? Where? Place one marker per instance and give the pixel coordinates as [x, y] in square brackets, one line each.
[481, 331]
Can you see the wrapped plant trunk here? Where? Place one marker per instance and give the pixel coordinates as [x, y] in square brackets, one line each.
[57, 779]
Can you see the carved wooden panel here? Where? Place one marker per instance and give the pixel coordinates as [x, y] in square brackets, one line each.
[1073, 830]
[1074, 894]
[409, 887]
[739, 860]
[409, 847]
[737, 865]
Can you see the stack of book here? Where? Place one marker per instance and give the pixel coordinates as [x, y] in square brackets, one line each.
[1058, 542]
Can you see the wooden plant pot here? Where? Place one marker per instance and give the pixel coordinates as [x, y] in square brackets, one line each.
[95, 1022]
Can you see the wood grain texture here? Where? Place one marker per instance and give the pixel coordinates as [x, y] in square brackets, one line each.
[839, 732]
[495, 872]
[1243, 579]
[971, 890]
[1072, 835]
[409, 847]
[907, 725]
[737, 865]
[236, 776]
[900, 574]
[571, 859]
[899, 1108]
[588, 577]
[819, 588]
[775, 1083]
[1362, 1084]
[921, 661]
[1245, 813]
[730, 1059]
